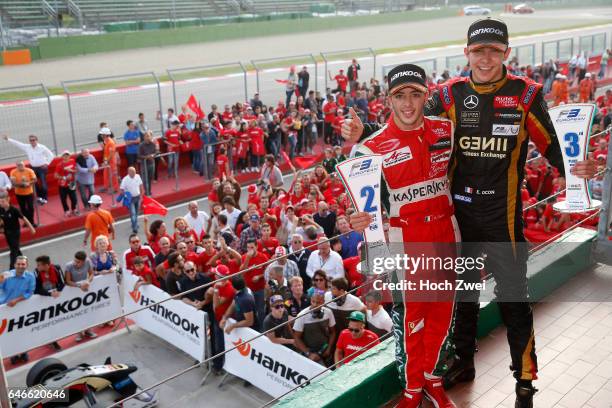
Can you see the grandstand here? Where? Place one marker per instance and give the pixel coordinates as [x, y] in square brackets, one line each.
[93, 13]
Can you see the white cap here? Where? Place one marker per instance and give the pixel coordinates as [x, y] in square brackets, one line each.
[105, 131]
[587, 75]
[95, 199]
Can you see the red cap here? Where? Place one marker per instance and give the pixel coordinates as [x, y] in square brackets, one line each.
[222, 270]
[252, 189]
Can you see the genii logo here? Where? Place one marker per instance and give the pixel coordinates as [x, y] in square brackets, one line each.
[243, 348]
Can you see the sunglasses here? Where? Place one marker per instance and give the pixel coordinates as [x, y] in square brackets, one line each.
[318, 280]
[189, 270]
[353, 330]
[277, 307]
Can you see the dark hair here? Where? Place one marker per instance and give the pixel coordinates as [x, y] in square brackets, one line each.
[229, 200]
[154, 227]
[44, 259]
[206, 236]
[340, 283]
[132, 235]
[238, 282]
[321, 273]
[222, 218]
[140, 114]
[251, 241]
[138, 260]
[129, 122]
[80, 255]
[170, 110]
[374, 295]
[172, 258]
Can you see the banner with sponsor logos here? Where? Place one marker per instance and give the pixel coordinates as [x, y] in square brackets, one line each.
[573, 124]
[41, 320]
[174, 321]
[272, 368]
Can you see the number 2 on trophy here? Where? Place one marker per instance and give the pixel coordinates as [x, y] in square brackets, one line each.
[368, 192]
[572, 148]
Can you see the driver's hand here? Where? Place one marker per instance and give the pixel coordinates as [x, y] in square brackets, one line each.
[360, 221]
[352, 129]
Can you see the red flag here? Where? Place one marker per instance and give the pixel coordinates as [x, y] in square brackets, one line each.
[150, 206]
[194, 105]
[305, 161]
[282, 81]
[285, 156]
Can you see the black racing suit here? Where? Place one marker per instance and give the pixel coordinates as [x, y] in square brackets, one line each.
[494, 123]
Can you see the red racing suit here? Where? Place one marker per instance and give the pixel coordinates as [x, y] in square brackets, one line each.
[415, 192]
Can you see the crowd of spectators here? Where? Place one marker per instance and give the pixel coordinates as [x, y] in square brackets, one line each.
[285, 238]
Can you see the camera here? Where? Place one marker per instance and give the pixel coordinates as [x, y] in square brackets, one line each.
[273, 284]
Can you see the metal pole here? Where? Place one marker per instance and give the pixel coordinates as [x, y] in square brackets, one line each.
[51, 120]
[4, 399]
[173, 88]
[256, 76]
[205, 161]
[145, 163]
[246, 91]
[74, 145]
[374, 58]
[2, 35]
[316, 75]
[176, 160]
[159, 100]
[325, 73]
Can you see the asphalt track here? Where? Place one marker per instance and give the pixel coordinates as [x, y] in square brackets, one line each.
[115, 107]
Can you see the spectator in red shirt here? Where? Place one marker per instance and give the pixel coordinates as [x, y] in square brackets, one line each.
[223, 295]
[205, 258]
[267, 244]
[254, 277]
[341, 81]
[143, 271]
[355, 339]
[256, 136]
[172, 139]
[137, 250]
[337, 126]
[329, 112]
[182, 230]
[156, 231]
[65, 172]
[223, 168]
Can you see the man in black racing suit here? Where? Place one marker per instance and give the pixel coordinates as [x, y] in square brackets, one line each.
[495, 116]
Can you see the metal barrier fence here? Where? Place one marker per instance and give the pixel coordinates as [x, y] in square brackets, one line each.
[200, 82]
[268, 78]
[140, 92]
[71, 121]
[429, 65]
[560, 50]
[32, 117]
[331, 58]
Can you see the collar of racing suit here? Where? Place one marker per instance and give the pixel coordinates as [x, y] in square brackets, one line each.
[490, 87]
[396, 131]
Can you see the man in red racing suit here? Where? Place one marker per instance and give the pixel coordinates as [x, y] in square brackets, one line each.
[416, 196]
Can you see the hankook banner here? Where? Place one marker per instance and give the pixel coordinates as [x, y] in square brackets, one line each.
[272, 368]
[41, 320]
[174, 321]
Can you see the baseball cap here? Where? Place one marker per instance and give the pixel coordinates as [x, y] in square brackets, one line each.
[95, 199]
[357, 316]
[276, 299]
[488, 32]
[587, 75]
[254, 217]
[405, 75]
[252, 189]
[105, 131]
[175, 122]
[222, 270]
[66, 152]
[280, 251]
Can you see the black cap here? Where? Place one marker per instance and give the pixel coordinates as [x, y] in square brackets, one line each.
[405, 75]
[488, 31]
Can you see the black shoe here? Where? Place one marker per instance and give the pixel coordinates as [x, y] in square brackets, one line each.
[524, 396]
[24, 357]
[56, 346]
[459, 371]
[14, 360]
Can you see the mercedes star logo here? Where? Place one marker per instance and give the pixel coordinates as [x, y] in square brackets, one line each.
[470, 102]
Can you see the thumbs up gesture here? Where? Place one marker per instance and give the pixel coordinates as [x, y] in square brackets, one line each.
[353, 128]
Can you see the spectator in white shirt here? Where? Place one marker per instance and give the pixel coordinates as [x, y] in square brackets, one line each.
[230, 211]
[39, 157]
[5, 182]
[326, 259]
[378, 319]
[198, 221]
[132, 184]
